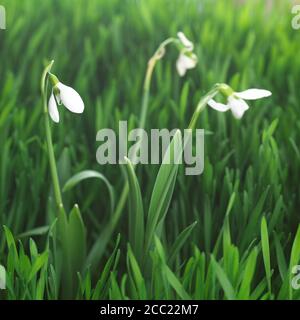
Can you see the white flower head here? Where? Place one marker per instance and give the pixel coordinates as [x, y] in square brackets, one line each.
[185, 41]
[62, 94]
[236, 100]
[187, 59]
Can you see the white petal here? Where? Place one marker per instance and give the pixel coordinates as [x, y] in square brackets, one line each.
[237, 106]
[253, 94]
[52, 108]
[218, 106]
[70, 98]
[184, 63]
[185, 41]
[58, 99]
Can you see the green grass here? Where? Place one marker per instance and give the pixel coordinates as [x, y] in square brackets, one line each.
[231, 233]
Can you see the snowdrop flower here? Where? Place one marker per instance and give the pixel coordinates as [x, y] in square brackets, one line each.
[187, 59]
[62, 94]
[236, 100]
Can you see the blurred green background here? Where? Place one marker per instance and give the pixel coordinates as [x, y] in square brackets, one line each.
[101, 49]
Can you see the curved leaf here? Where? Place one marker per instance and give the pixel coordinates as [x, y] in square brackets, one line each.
[88, 174]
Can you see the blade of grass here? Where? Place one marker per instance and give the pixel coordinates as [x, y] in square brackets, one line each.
[136, 213]
[266, 252]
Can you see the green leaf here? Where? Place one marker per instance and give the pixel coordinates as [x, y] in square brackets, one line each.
[71, 233]
[295, 253]
[175, 283]
[180, 241]
[39, 262]
[163, 188]
[136, 275]
[259, 290]
[248, 273]
[168, 273]
[11, 244]
[266, 251]
[282, 265]
[223, 279]
[115, 291]
[33, 249]
[102, 284]
[136, 213]
[34, 232]
[88, 174]
[76, 240]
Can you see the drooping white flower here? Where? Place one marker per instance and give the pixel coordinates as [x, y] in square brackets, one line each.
[185, 62]
[187, 59]
[62, 94]
[236, 100]
[185, 41]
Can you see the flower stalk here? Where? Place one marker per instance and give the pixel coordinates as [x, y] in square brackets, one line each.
[158, 54]
[202, 104]
[70, 229]
[52, 162]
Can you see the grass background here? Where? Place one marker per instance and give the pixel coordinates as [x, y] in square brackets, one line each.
[245, 203]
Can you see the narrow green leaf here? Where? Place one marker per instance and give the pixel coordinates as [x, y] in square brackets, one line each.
[248, 274]
[266, 251]
[11, 243]
[168, 273]
[76, 240]
[136, 213]
[163, 188]
[223, 279]
[88, 174]
[136, 275]
[282, 265]
[180, 241]
[102, 284]
[34, 232]
[39, 262]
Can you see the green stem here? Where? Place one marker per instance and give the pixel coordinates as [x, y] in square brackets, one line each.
[53, 169]
[123, 198]
[147, 82]
[52, 162]
[201, 105]
[145, 102]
